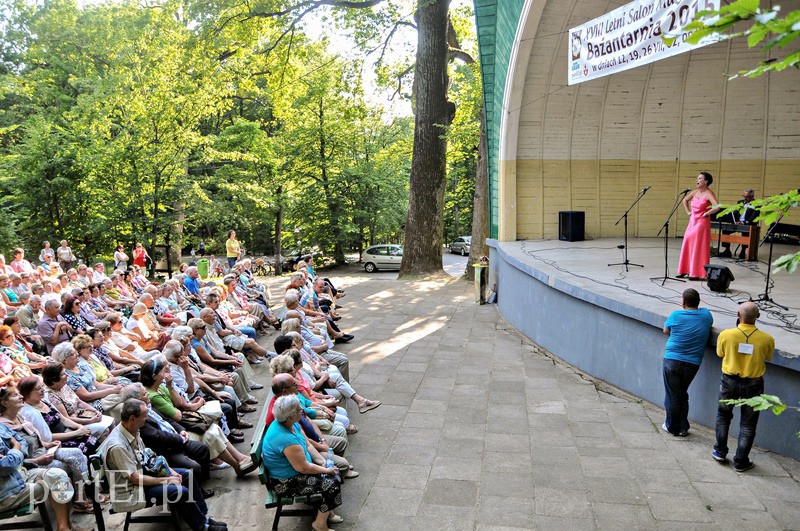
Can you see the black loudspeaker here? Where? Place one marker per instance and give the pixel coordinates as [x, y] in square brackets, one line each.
[571, 225]
[718, 277]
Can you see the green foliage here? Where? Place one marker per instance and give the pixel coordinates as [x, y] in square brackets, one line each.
[764, 27]
[771, 210]
[763, 402]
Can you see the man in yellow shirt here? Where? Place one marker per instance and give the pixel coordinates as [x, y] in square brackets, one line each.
[743, 350]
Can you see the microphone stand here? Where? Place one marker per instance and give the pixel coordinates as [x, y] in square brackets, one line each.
[624, 246]
[665, 230]
[764, 297]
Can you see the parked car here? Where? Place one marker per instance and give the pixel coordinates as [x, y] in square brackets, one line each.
[461, 245]
[386, 256]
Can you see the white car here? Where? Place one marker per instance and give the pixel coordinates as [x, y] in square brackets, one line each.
[386, 256]
[461, 245]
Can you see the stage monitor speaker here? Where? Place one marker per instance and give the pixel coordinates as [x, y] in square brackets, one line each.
[718, 277]
[571, 225]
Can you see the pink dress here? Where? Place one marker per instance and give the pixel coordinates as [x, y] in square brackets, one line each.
[696, 248]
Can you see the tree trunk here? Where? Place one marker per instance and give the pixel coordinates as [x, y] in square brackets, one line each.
[480, 206]
[423, 232]
[278, 231]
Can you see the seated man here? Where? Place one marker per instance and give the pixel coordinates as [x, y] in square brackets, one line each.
[134, 489]
[740, 218]
[49, 268]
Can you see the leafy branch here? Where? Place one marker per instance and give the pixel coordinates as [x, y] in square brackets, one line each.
[763, 402]
[765, 23]
[771, 210]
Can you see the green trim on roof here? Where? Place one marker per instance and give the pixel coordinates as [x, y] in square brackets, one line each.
[497, 22]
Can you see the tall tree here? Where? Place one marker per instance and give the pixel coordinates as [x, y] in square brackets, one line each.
[422, 253]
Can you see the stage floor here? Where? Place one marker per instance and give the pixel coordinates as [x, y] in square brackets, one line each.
[582, 268]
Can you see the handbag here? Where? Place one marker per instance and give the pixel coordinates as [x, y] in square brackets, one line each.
[195, 422]
[155, 465]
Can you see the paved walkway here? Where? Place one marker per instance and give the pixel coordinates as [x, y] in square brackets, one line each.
[480, 429]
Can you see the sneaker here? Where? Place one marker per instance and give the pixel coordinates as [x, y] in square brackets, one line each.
[683, 434]
[745, 467]
[664, 427]
[718, 457]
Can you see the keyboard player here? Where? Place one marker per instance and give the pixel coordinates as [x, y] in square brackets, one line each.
[745, 217]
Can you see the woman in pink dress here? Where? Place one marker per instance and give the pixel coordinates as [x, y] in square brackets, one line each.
[696, 248]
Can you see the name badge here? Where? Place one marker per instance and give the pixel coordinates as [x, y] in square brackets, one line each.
[745, 348]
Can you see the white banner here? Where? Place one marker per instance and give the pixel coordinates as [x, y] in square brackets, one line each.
[631, 36]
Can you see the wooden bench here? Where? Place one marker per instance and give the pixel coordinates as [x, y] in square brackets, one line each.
[273, 500]
[97, 482]
[26, 510]
[740, 234]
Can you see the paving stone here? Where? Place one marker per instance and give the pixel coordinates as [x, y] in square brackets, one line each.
[601, 430]
[444, 518]
[724, 495]
[623, 516]
[743, 520]
[403, 475]
[418, 436]
[507, 511]
[557, 523]
[411, 454]
[507, 442]
[392, 500]
[505, 463]
[615, 490]
[424, 420]
[462, 468]
[566, 477]
[453, 492]
[680, 508]
[561, 502]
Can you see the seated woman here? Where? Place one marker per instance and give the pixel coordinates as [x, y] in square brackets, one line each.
[323, 412]
[69, 405]
[137, 325]
[37, 451]
[16, 351]
[94, 304]
[80, 376]
[72, 280]
[105, 370]
[125, 340]
[120, 357]
[113, 295]
[138, 280]
[7, 295]
[11, 370]
[296, 468]
[71, 312]
[48, 292]
[26, 346]
[323, 374]
[124, 285]
[50, 423]
[170, 404]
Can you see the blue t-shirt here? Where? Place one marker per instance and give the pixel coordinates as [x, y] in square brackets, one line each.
[276, 440]
[192, 286]
[688, 335]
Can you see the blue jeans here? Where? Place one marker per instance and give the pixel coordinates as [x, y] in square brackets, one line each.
[678, 375]
[188, 499]
[732, 388]
[231, 261]
[249, 331]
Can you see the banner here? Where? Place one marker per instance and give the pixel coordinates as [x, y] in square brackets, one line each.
[631, 36]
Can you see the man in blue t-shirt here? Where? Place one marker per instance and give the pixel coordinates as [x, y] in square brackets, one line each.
[688, 331]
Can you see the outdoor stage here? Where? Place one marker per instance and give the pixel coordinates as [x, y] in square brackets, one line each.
[608, 322]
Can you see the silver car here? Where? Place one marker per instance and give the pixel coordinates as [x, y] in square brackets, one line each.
[461, 245]
[386, 256]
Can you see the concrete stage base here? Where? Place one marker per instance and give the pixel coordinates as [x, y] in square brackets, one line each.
[608, 322]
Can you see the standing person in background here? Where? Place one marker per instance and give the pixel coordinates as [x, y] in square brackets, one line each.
[65, 256]
[120, 258]
[140, 256]
[688, 331]
[743, 350]
[232, 248]
[202, 249]
[46, 250]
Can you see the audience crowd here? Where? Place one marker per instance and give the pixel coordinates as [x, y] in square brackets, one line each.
[158, 380]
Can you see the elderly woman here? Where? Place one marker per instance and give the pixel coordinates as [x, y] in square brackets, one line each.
[125, 340]
[105, 370]
[113, 296]
[7, 294]
[322, 412]
[71, 312]
[93, 303]
[69, 405]
[295, 467]
[50, 423]
[80, 376]
[137, 324]
[12, 367]
[171, 404]
[14, 347]
[322, 375]
[38, 451]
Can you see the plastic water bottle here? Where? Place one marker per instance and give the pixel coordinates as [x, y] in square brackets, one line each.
[329, 459]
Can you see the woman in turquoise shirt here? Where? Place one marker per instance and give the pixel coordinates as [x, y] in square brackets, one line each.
[296, 468]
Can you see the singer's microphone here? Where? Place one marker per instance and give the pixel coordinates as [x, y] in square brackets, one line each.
[646, 188]
[686, 191]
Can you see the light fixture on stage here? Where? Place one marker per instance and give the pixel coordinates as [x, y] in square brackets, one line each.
[718, 277]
